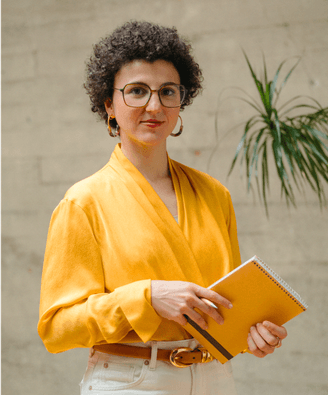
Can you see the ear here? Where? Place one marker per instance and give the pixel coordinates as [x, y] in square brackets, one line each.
[109, 107]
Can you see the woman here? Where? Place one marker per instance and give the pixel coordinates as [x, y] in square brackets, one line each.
[131, 249]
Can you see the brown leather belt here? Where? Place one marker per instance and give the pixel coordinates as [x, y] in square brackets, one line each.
[181, 357]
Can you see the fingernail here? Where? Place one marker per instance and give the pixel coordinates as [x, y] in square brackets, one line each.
[252, 327]
[230, 306]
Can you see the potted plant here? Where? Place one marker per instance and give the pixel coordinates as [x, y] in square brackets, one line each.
[298, 143]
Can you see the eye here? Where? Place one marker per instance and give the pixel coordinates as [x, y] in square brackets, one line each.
[169, 91]
[136, 90]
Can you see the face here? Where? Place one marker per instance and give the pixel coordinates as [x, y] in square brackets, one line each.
[152, 124]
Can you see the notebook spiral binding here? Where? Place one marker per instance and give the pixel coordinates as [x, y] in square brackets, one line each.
[279, 282]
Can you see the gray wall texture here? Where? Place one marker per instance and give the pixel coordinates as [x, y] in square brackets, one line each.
[51, 140]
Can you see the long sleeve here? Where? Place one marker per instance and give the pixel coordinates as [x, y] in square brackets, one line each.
[232, 230]
[76, 309]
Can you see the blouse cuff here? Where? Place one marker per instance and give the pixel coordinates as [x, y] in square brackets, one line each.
[135, 302]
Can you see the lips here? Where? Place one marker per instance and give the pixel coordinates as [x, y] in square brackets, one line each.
[152, 123]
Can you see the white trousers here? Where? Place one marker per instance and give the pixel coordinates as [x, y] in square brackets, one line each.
[109, 374]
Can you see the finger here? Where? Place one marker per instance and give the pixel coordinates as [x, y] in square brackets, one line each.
[269, 338]
[197, 318]
[276, 330]
[253, 348]
[214, 297]
[204, 306]
[210, 309]
[260, 342]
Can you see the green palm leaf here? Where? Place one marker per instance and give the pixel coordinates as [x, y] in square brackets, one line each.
[298, 143]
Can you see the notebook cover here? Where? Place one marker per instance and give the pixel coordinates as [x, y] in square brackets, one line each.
[256, 296]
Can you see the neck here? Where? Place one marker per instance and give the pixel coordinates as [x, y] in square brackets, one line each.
[151, 161]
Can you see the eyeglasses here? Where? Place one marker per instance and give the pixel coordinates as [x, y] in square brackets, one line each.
[139, 94]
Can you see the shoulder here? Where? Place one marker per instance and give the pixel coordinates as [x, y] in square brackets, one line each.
[209, 189]
[203, 180]
[85, 192]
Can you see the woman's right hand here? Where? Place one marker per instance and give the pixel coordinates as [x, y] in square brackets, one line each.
[174, 299]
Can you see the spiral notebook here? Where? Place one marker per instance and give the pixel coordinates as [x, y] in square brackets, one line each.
[257, 294]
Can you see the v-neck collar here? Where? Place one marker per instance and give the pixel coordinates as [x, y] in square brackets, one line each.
[153, 205]
[138, 181]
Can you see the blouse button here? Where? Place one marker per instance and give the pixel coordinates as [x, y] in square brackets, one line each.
[90, 388]
[106, 365]
[146, 362]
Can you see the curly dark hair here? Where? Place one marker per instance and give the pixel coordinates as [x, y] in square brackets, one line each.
[138, 40]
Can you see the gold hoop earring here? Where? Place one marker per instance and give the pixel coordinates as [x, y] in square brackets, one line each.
[180, 130]
[117, 133]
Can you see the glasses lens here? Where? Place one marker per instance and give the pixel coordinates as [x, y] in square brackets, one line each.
[136, 95]
[172, 95]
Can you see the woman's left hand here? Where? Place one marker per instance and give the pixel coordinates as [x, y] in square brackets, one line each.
[264, 338]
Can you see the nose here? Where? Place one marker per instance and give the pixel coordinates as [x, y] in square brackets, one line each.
[154, 105]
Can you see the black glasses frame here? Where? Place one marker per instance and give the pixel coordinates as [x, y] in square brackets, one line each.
[182, 89]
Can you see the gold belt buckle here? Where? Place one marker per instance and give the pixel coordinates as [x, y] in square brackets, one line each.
[174, 356]
[206, 356]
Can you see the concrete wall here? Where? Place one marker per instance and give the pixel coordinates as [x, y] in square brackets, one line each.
[51, 140]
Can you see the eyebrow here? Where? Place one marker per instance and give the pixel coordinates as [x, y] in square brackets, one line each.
[143, 83]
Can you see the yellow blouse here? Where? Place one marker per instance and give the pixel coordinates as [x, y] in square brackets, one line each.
[111, 235]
